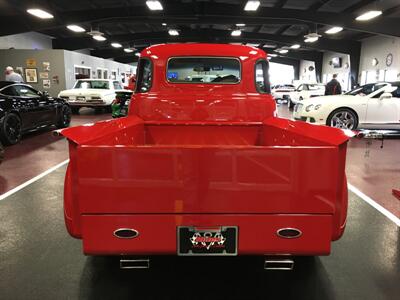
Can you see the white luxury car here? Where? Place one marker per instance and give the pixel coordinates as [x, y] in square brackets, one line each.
[305, 91]
[96, 93]
[280, 92]
[371, 106]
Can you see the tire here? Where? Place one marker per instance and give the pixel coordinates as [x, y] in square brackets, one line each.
[290, 104]
[343, 118]
[65, 117]
[108, 109]
[1, 153]
[75, 110]
[10, 129]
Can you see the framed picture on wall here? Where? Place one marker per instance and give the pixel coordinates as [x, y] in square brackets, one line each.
[31, 75]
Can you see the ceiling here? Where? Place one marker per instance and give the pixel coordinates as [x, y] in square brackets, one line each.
[277, 23]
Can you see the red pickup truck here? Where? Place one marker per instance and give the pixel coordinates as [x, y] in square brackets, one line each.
[203, 166]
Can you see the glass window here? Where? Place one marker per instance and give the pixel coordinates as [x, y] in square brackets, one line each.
[300, 88]
[213, 70]
[25, 91]
[9, 91]
[82, 72]
[145, 76]
[117, 85]
[367, 89]
[396, 92]
[92, 84]
[262, 77]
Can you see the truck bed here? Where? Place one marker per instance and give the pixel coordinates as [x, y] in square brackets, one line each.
[273, 171]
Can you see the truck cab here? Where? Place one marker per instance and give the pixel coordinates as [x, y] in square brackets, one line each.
[205, 168]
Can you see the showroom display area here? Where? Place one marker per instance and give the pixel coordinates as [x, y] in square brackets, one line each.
[55, 70]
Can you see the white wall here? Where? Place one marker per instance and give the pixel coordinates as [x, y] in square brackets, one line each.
[73, 59]
[28, 40]
[305, 74]
[343, 73]
[280, 73]
[379, 47]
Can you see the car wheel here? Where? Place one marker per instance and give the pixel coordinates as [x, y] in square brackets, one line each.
[75, 110]
[10, 129]
[65, 117]
[1, 153]
[343, 118]
[108, 109]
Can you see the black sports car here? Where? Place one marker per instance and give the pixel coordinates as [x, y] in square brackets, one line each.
[23, 109]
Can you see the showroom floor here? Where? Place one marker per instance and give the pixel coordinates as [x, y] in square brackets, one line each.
[39, 260]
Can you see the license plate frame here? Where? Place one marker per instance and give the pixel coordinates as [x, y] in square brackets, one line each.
[207, 241]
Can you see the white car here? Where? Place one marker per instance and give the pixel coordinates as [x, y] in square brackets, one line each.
[371, 106]
[280, 92]
[96, 93]
[305, 91]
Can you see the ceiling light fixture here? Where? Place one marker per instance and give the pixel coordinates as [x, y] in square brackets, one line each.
[240, 25]
[116, 45]
[252, 5]
[369, 15]
[37, 12]
[137, 54]
[295, 46]
[173, 32]
[164, 24]
[129, 50]
[283, 51]
[76, 28]
[334, 30]
[311, 37]
[154, 5]
[99, 37]
[272, 55]
[236, 33]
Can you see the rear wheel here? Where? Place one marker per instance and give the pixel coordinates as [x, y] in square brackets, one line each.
[343, 118]
[1, 153]
[10, 129]
[64, 118]
[75, 110]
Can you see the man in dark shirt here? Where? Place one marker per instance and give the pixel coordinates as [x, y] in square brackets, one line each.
[333, 87]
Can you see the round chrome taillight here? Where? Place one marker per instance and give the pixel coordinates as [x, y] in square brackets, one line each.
[289, 233]
[126, 233]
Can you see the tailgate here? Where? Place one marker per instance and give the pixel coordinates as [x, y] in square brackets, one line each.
[168, 179]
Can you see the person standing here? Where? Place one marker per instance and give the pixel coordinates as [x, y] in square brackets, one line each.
[13, 76]
[333, 87]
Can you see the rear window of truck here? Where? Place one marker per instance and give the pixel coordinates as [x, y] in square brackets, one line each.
[208, 70]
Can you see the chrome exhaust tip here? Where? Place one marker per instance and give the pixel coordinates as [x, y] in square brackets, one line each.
[279, 264]
[126, 263]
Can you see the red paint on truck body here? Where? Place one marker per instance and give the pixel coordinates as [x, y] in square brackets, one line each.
[205, 155]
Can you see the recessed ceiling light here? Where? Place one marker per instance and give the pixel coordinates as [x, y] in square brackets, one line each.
[116, 45]
[236, 33]
[128, 50]
[99, 37]
[369, 15]
[173, 32]
[334, 30]
[137, 54]
[273, 55]
[76, 28]
[154, 5]
[240, 25]
[295, 46]
[164, 24]
[283, 51]
[252, 5]
[40, 13]
[312, 37]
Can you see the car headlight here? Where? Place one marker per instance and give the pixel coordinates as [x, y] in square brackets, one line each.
[318, 106]
[309, 107]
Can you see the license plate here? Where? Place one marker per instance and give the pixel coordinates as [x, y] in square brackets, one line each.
[207, 241]
[80, 98]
